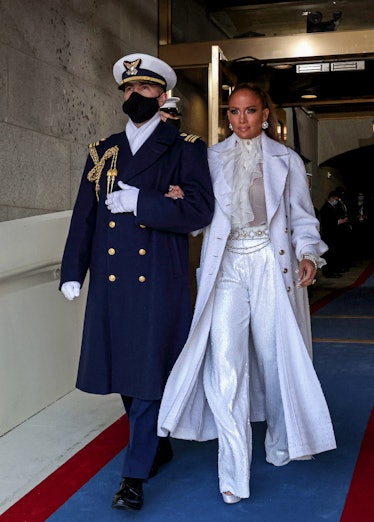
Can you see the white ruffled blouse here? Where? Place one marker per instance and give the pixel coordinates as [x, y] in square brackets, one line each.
[248, 197]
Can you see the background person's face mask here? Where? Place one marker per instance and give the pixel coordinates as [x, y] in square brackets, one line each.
[139, 108]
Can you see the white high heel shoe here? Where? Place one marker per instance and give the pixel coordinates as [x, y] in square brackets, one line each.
[229, 498]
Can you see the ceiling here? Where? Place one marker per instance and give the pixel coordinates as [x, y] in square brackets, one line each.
[248, 18]
[340, 92]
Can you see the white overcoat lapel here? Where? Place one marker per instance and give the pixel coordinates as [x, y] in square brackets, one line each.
[275, 170]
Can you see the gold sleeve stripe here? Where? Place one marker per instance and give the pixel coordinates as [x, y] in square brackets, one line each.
[191, 138]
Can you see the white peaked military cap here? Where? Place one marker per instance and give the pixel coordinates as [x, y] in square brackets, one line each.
[139, 67]
[171, 103]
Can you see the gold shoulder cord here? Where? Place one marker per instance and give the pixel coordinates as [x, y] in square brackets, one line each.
[95, 173]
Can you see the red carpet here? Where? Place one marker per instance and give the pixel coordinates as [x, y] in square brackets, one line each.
[40, 502]
[46, 498]
[359, 506]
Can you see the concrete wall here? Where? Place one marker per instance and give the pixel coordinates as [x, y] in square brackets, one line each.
[338, 136]
[40, 331]
[323, 140]
[57, 92]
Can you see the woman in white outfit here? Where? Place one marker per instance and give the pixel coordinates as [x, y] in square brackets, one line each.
[248, 355]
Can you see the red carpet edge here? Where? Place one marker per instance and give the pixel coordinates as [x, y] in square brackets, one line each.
[359, 505]
[40, 502]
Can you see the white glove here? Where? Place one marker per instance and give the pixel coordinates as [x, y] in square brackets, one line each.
[71, 289]
[124, 200]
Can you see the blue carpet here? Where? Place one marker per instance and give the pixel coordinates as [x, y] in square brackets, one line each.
[311, 491]
[354, 302]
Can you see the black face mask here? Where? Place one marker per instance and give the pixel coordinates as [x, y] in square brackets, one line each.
[139, 108]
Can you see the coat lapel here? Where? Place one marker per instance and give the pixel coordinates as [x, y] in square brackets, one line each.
[151, 150]
[275, 169]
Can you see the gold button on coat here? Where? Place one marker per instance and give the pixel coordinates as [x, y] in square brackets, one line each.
[141, 279]
[142, 252]
[281, 252]
[112, 278]
[111, 251]
[112, 224]
[285, 270]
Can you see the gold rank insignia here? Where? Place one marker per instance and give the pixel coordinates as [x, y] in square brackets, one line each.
[132, 67]
[189, 137]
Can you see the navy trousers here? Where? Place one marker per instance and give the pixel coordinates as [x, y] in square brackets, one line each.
[143, 441]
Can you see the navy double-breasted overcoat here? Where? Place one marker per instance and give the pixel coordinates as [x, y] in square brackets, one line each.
[138, 308]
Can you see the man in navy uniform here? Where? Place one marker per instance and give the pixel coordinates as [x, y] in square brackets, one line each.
[130, 229]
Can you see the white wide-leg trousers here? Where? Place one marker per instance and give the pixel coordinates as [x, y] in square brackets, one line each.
[244, 307]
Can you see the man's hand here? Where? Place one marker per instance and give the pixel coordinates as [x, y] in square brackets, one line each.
[124, 200]
[71, 289]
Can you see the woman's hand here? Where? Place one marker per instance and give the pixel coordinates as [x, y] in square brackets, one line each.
[307, 273]
[175, 192]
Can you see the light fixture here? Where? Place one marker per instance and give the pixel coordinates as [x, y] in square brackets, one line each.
[282, 66]
[312, 67]
[358, 65]
[315, 24]
[348, 66]
[309, 93]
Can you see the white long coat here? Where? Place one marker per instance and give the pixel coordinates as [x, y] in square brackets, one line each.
[293, 230]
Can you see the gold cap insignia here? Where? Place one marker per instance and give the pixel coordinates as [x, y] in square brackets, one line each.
[132, 67]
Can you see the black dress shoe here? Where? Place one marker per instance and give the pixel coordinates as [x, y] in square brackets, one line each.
[164, 455]
[129, 495]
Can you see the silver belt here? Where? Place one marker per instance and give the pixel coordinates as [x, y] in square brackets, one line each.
[248, 240]
[249, 233]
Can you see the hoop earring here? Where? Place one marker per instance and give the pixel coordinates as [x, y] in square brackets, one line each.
[265, 125]
[230, 126]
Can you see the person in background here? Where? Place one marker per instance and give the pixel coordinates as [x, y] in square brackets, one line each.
[345, 230]
[363, 247]
[248, 354]
[170, 113]
[130, 229]
[331, 219]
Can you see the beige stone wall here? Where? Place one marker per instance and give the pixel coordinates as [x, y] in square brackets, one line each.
[323, 140]
[339, 136]
[57, 92]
